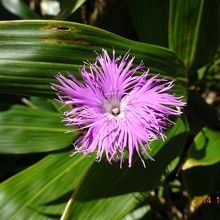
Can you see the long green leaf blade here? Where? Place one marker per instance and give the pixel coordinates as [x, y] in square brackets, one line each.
[40, 191]
[27, 130]
[32, 52]
[194, 30]
[150, 19]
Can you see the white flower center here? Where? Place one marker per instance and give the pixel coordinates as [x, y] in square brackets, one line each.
[113, 106]
[116, 111]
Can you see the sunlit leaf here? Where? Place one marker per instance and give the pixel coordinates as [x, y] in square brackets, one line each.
[205, 149]
[32, 52]
[42, 190]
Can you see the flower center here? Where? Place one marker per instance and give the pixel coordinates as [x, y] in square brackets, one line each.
[115, 111]
[112, 106]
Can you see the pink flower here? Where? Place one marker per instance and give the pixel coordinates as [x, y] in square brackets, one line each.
[119, 110]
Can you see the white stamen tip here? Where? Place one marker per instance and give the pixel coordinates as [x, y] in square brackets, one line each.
[115, 111]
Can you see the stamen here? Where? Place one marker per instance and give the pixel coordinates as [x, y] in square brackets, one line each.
[115, 111]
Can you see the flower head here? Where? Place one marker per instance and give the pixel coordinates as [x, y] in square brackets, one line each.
[119, 109]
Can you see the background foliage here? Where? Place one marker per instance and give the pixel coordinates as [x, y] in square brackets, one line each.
[178, 39]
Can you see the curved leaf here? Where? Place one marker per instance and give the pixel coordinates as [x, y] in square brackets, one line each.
[204, 150]
[19, 8]
[68, 7]
[32, 52]
[27, 130]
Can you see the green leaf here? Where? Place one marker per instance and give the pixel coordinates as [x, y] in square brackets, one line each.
[19, 8]
[117, 18]
[32, 52]
[26, 130]
[108, 192]
[140, 213]
[194, 30]
[150, 19]
[42, 103]
[204, 150]
[41, 191]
